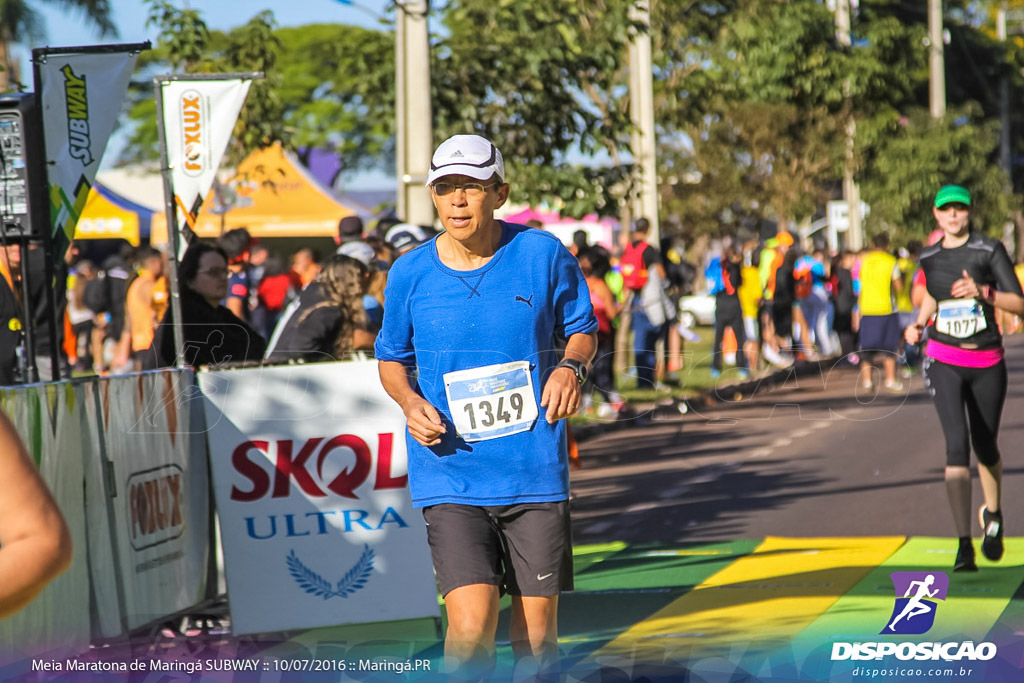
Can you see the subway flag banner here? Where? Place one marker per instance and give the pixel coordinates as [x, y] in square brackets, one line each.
[199, 116]
[81, 95]
[312, 495]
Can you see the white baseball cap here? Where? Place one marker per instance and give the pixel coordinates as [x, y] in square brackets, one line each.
[406, 235]
[363, 252]
[469, 155]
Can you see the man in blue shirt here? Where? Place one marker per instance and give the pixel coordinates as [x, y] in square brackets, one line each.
[468, 349]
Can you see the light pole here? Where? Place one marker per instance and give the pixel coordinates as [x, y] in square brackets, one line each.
[851, 191]
[936, 63]
[641, 101]
[415, 131]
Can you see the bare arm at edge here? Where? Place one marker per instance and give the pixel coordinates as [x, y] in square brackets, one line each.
[36, 544]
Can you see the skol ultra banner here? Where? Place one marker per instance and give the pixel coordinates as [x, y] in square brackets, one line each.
[309, 472]
[199, 116]
[81, 95]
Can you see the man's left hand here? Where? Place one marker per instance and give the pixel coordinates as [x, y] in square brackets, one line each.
[561, 395]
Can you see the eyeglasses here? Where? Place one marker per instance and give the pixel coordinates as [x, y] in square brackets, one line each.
[471, 189]
[215, 272]
[959, 206]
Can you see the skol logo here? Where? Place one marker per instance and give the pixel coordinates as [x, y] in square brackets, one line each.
[916, 593]
[77, 99]
[194, 117]
[154, 506]
[292, 465]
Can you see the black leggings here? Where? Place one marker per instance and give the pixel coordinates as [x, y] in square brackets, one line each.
[983, 392]
[729, 314]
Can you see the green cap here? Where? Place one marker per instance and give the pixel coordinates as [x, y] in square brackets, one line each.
[950, 194]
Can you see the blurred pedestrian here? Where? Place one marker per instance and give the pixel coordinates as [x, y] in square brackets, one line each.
[728, 312]
[330, 321]
[80, 315]
[880, 280]
[305, 265]
[406, 237]
[241, 298]
[373, 298]
[844, 301]
[595, 264]
[146, 302]
[350, 229]
[106, 296]
[639, 260]
[276, 290]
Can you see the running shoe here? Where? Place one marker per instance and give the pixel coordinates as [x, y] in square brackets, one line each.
[965, 557]
[776, 358]
[894, 386]
[992, 527]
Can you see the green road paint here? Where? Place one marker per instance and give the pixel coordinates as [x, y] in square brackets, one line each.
[629, 586]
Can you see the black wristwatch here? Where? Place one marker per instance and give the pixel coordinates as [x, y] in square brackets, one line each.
[581, 369]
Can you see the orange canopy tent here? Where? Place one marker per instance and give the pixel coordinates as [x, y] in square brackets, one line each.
[271, 195]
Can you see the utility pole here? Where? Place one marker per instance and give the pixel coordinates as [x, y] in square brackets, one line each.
[415, 132]
[1004, 101]
[851, 191]
[1005, 159]
[641, 106]
[936, 63]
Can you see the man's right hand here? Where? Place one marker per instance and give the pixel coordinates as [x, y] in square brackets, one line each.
[424, 421]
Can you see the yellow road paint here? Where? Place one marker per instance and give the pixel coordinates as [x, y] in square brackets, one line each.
[767, 596]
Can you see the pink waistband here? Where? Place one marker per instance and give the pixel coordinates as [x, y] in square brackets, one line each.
[965, 358]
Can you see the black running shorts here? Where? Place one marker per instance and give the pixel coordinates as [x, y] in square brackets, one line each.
[524, 549]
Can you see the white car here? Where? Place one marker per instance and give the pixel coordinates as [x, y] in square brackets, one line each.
[697, 309]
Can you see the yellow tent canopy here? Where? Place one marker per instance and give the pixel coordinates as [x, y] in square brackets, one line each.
[271, 195]
[108, 215]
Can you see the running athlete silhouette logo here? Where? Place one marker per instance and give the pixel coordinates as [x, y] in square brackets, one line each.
[528, 302]
[914, 612]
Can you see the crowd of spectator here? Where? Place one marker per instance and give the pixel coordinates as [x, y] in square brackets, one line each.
[240, 302]
[811, 304]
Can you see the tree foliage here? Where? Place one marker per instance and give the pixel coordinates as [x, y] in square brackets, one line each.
[21, 21]
[752, 101]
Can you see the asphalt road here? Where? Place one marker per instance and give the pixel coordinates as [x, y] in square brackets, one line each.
[814, 456]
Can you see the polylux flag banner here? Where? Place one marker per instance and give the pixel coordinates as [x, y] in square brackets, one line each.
[309, 473]
[81, 98]
[199, 116]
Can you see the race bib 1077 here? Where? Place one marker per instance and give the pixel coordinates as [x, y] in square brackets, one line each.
[491, 401]
[960, 318]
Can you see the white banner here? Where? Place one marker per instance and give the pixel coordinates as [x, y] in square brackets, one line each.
[309, 471]
[81, 97]
[160, 506]
[199, 116]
